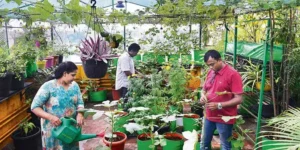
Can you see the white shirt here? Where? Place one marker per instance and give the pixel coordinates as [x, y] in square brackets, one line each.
[125, 63]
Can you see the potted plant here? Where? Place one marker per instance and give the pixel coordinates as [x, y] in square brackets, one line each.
[284, 133]
[94, 56]
[18, 69]
[114, 140]
[252, 76]
[28, 136]
[191, 122]
[114, 40]
[95, 92]
[5, 75]
[112, 75]
[174, 141]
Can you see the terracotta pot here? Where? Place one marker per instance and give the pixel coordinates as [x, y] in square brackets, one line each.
[118, 145]
[115, 94]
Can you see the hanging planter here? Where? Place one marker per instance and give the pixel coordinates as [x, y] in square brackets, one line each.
[5, 84]
[94, 69]
[174, 141]
[95, 56]
[190, 122]
[117, 143]
[144, 142]
[17, 82]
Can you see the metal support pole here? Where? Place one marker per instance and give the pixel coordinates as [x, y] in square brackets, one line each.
[6, 34]
[226, 41]
[200, 35]
[190, 27]
[113, 5]
[262, 87]
[52, 36]
[235, 41]
[124, 37]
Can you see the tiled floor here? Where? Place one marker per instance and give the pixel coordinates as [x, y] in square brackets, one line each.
[96, 126]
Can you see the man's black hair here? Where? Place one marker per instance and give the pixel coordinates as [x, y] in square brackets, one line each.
[213, 54]
[134, 47]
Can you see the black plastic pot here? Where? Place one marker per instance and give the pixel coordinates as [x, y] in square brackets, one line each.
[94, 69]
[60, 58]
[197, 110]
[17, 83]
[162, 130]
[5, 85]
[32, 141]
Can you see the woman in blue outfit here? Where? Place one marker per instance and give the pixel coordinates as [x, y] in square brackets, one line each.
[58, 98]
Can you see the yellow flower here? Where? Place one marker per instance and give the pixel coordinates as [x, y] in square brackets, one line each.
[167, 67]
[134, 75]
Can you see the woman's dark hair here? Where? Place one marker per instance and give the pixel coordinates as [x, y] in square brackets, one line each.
[67, 66]
[134, 47]
[213, 54]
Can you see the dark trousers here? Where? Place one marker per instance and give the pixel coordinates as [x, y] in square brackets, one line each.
[123, 92]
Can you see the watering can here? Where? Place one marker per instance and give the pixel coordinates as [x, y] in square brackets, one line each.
[68, 132]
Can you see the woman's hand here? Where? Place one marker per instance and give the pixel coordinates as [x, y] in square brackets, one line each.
[55, 120]
[79, 119]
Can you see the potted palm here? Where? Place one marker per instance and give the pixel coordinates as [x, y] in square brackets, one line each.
[252, 76]
[285, 132]
[94, 56]
[28, 136]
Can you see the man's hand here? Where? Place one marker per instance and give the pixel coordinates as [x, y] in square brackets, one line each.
[203, 99]
[79, 119]
[55, 121]
[212, 106]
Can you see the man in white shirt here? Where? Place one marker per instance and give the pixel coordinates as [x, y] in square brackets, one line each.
[125, 69]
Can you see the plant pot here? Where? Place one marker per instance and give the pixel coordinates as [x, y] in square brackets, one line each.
[267, 86]
[147, 57]
[50, 61]
[144, 142]
[174, 57]
[31, 68]
[17, 83]
[137, 57]
[173, 126]
[41, 64]
[190, 123]
[199, 56]
[60, 58]
[118, 145]
[179, 121]
[5, 85]
[114, 44]
[115, 94]
[161, 59]
[162, 130]
[94, 69]
[186, 58]
[55, 60]
[174, 141]
[98, 96]
[115, 62]
[197, 110]
[31, 141]
[268, 144]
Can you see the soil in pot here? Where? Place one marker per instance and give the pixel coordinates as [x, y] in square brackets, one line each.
[114, 139]
[173, 136]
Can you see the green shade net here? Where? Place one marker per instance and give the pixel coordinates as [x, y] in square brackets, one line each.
[255, 51]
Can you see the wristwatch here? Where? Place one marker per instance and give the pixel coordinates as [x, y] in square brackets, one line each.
[219, 106]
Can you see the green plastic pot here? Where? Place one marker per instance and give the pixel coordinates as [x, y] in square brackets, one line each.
[173, 144]
[115, 62]
[31, 68]
[190, 123]
[173, 57]
[199, 56]
[137, 57]
[98, 96]
[173, 126]
[147, 57]
[161, 59]
[268, 144]
[144, 144]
